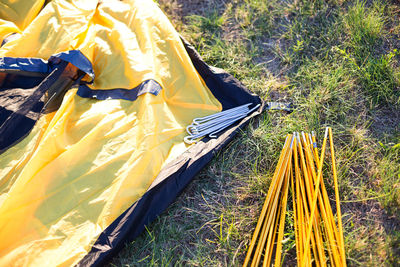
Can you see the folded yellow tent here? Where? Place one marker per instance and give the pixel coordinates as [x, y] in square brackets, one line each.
[95, 97]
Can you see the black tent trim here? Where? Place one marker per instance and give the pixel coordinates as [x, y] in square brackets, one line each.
[174, 177]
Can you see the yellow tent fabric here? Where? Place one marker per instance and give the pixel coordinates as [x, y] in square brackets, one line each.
[6, 29]
[20, 12]
[85, 164]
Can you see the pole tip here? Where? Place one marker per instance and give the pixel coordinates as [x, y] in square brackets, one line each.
[304, 136]
[291, 143]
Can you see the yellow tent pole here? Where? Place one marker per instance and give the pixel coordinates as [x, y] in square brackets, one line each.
[325, 197]
[339, 213]
[315, 197]
[298, 202]
[315, 147]
[326, 212]
[313, 222]
[276, 194]
[271, 240]
[264, 235]
[304, 195]
[295, 216]
[279, 179]
[318, 226]
[331, 227]
[266, 203]
[300, 214]
[267, 225]
[302, 206]
[308, 195]
[316, 245]
[304, 257]
[282, 218]
[310, 144]
[323, 188]
[282, 208]
[332, 232]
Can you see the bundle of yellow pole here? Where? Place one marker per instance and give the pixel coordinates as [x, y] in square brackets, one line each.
[318, 237]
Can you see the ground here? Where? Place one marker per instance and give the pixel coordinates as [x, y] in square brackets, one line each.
[338, 63]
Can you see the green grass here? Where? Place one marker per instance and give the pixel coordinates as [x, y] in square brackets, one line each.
[337, 61]
[364, 26]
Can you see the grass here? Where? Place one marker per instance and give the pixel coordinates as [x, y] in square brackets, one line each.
[337, 61]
